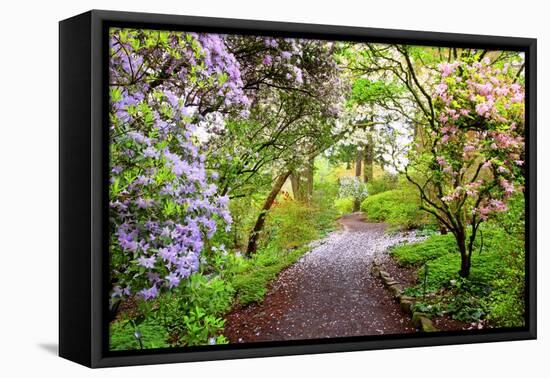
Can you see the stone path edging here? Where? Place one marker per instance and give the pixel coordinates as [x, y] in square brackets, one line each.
[420, 320]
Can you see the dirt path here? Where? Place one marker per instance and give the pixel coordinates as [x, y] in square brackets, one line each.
[329, 292]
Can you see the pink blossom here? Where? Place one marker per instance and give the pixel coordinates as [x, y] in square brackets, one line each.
[441, 88]
[469, 148]
[482, 211]
[518, 97]
[501, 91]
[507, 186]
[482, 109]
[484, 89]
[447, 68]
[497, 205]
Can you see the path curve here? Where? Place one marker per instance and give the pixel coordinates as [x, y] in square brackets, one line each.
[329, 292]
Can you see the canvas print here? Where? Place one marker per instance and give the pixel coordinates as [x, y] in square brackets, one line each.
[270, 189]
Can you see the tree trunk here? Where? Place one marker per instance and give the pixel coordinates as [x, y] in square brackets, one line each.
[301, 185]
[369, 158]
[465, 264]
[260, 222]
[464, 271]
[358, 160]
[309, 179]
[296, 186]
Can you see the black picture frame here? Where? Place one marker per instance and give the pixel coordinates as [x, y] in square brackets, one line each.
[83, 195]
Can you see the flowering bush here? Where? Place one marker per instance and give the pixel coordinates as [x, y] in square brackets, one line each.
[352, 186]
[481, 117]
[481, 114]
[164, 206]
[474, 161]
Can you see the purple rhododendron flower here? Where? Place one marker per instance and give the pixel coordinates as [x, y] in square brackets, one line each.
[160, 168]
[150, 293]
[286, 55]
[173, 280]
[147, 262]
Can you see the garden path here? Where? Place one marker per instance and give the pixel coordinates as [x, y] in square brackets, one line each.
[329, 292]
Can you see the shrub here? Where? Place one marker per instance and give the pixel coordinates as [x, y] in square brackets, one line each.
[399, 208]
[353, 187]
[290, 224]
[382, 184]
[343, 205]
[324, 195]
[244, 211]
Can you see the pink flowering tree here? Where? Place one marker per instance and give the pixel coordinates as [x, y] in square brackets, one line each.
[163, 200]
[473, 153]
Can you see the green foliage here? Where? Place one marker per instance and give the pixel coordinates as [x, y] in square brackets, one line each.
[244, 211]
[290, 224]
[418, 253]
[494, 290]
[460, 305]
[123, 335]
[382, 184]
[343, 205]
[399, 208]
[193, 312]
[507, 299]
[189, 315]
[366, 91]
[513, 220]
[343, 153]
[325, 191]
[443, 269]
[252, 281]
